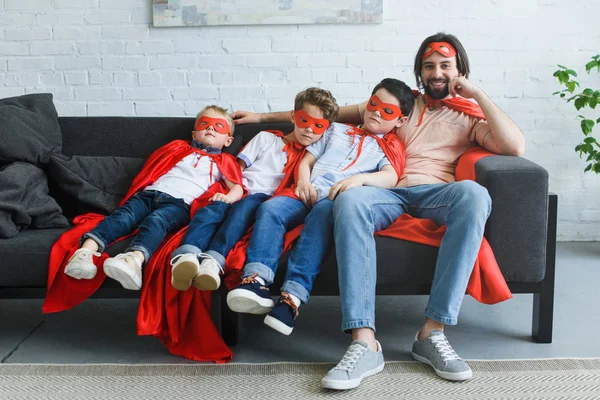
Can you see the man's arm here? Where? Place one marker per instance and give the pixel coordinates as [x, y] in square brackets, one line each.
[504, 137]
[352, 114]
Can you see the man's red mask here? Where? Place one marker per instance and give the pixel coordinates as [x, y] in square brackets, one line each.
[219, 124]
[444, 48]
[388, 111]
[304, 120]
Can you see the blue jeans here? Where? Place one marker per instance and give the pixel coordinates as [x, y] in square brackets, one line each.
[156, 214]
[274, 218]
[216, 228]
[462, 206]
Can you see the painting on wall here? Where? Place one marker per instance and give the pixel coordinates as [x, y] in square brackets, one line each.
[265, 12]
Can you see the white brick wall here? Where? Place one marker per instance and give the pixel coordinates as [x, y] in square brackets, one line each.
[104, 57]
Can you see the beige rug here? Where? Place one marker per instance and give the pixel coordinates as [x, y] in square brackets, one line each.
[514, 379]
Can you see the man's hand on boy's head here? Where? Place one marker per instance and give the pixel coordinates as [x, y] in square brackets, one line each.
[307, 193]
[244, 117]
[345, 184]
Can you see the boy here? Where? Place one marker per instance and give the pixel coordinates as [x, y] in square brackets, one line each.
[346, 157]
[162, 206]
[268, 162]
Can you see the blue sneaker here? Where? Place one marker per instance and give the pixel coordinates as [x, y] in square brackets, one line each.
[250, 297]
[283, 315]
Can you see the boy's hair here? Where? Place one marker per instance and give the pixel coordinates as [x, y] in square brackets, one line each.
[221, 111]
[319, 98]
[462, 60]
[399, 90]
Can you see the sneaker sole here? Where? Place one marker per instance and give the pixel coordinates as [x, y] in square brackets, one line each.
[206, 282]
[351, 383]
[80, 273]
[279, 326]
[125, 279]
[450, 376]
[182, 275]
[244, 301]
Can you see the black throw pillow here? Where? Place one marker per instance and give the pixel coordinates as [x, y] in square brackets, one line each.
[24, 200]
[97, 184]
[29, 129]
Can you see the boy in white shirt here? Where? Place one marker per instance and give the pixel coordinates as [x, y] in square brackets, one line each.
[163, 206]
[268, 162]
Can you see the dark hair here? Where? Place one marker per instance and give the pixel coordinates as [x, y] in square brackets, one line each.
[320, 98]
[462, 61]
[399, 90]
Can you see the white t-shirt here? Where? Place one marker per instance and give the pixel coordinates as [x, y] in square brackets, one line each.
[265, 160]
[189, 178]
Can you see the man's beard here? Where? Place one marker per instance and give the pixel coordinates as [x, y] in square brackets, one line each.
[437, 94]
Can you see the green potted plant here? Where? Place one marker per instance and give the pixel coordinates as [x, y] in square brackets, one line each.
[586, 99]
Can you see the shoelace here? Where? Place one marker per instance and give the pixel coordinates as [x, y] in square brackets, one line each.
[127, 257]
[214, 262]
[287, 299]
[348, 362]
[87, 254]
[443, 347]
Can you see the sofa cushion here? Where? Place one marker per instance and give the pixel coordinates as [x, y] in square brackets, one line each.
[91, 184]
[29, 129]
[24, 200]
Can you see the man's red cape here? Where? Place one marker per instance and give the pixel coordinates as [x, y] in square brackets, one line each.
[64, 292]
[182, 320]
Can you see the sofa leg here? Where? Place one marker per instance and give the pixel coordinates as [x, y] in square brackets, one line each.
[543, 301]
[229, 324]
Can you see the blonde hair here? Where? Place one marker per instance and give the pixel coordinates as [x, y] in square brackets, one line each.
[221, 111]
[320, 98]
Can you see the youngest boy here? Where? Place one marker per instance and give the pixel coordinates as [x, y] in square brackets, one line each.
[346, 157]
[268, 162]
[163, 206]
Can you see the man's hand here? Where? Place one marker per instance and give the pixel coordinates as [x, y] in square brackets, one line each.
[307, 193]
[222, 197]
[463, 87]
[345, 184]
[244, 117]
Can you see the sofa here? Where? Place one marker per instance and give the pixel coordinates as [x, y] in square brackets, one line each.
[90, 162]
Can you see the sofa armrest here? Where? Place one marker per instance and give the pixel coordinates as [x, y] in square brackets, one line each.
[517, 226]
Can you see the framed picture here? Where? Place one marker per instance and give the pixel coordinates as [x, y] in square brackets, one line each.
[265, 12]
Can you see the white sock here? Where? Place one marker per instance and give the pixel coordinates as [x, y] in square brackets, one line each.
[295, 299]
[260, 280]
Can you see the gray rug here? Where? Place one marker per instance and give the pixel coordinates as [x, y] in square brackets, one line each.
[507, 379]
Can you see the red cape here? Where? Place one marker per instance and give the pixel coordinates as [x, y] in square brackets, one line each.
[64, 292]
[182, 320]
[459, 104]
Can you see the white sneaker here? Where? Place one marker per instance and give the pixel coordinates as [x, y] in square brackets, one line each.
[126, 269]
[184, 267]
[208, 274]
[81, 264]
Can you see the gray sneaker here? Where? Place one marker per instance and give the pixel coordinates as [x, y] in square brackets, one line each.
[358, 363]
[436, 352]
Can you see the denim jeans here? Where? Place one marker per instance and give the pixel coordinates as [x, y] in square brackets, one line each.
[156, 214]
[216, 228]
[462, 206]
[274, 218]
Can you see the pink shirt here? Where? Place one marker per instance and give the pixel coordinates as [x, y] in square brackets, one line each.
[434, 147]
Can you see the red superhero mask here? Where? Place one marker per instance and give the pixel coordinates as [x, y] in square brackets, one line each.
[219, 124]
[388, 111]
[443, 48]
[304, 120]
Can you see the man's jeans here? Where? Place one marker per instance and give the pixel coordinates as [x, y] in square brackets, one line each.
[155, 213]
[274, 218]
[462, 206]
[216, 228]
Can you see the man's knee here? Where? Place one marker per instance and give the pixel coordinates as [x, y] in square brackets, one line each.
[474, 196]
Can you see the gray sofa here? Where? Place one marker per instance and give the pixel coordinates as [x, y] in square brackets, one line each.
[521, 228]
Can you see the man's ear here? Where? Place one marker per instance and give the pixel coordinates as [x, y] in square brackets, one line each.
[228, 141]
